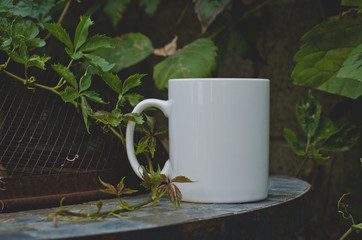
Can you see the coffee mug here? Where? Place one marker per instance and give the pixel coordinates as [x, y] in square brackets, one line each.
[218, 138]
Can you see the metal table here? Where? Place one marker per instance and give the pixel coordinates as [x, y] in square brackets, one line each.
[283, 213]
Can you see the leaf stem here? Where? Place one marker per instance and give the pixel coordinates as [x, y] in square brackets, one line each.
[118, 134]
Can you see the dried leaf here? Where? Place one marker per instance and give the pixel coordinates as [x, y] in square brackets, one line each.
[168, 49]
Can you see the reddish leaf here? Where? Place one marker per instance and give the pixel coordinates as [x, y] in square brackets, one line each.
[181, 179]
[171, 194]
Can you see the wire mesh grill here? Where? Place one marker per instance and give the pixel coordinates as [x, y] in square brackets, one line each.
[40, 135]
[46, 152]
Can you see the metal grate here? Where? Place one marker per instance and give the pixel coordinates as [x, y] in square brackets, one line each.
[46, 151]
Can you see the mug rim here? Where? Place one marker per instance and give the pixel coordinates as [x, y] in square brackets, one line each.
[218, 79]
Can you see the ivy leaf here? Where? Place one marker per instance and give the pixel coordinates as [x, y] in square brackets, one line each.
[326, 128]
[59, 32]
[109, 188]
[85, 81]
[86, 111]
[94, 96]
[99, 62]
[150, 6]
[317, 156]
[195, 60]
[308, 111]
[353, 3]
[97, 42]
[114, 9]
[133, 98]
[111, 80]
[131, 49]
[326, 48]
[207, 10]
[293, 142]
[343, 140]
[131, 82]
[81, 33]
[66, 74]
[181, 179]
[69, 94]
[38, 61]
[352, 65]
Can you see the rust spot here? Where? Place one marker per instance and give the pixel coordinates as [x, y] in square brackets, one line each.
[136, 45]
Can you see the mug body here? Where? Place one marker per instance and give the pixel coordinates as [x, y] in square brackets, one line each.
[219, 138]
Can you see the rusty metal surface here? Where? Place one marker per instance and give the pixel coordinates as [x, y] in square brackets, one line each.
[281, 214]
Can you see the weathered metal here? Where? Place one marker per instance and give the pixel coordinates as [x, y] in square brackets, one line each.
[283, 213]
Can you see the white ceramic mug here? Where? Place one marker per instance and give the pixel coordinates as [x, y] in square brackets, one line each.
[218, 137]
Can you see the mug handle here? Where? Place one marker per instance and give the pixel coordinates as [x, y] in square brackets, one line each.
[164, 107]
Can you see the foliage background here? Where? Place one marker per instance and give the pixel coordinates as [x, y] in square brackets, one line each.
[271, 39]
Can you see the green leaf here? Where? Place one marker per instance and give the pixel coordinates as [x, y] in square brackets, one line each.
[152, 146]
[293, 142]
[111, 80]
[38, 61]
[94, 96]
[114, 9]
[81, 33]
[131, 49]
[69, 94]
[352, 3]
[142, 145]
[322, 58]
[86, 111]
[66, 74]
[317, 156]
[207, 10]
[85, 81]
[343, 140]
[99, 62]
[150, 6]
[308, 111]
[131, 82]
[133, 98]
[195, 60]
[98, 42]
[59, 32]
[326, 128]
[352, 65]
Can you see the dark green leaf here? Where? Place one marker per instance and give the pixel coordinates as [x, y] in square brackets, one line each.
[86, 111]
[195, 60]
[308, 111]
[69, 94]
[343, 140]
[59, 32]
[66, 74]
[111, 80]
[326, 48]
[94, 96]
[293, 142]
[81, 33]
[133, 117]
[352, 3]
[97, 42]
[131, 49]
[23, 52]
[17, 58]
[131, 82]
[326, 128]
[85, 81]
[74, 56]
[207, 10]
[150, 6]
[117, 113]
[317, 156]
[114, 9]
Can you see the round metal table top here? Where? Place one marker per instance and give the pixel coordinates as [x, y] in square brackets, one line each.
[283, 212]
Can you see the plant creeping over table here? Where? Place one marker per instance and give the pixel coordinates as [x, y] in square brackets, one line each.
[19, 38]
